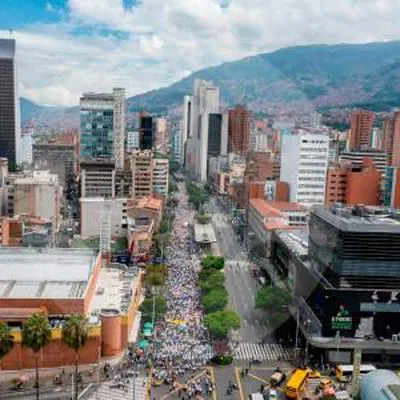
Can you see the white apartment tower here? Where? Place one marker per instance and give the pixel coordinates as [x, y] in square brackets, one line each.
[186, 131]
[304, 163]
[119, 127]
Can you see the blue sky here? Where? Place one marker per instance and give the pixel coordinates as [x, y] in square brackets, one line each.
[66, 47]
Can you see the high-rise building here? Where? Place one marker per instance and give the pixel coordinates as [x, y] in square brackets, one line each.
[361, 128]
[97, 178]
[348, 184]
[132, 142]
[160, 175]
[9, 104]
[146, 132]
[391, 187]
[205, 102]
[142, 173]
[239, 130]
[304, 162]
[26, 146]
[176, 143]
[103, 126]
[356, 158]
[161, 135]
[395, 154]
[186, 126]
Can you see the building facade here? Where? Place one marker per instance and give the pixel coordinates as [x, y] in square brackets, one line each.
[102, 126]
[160, 175]
[304, 163]
[239, 130]
[391, 187]
[10, 146]
[361, 130]
[146, 132]
[356, 158]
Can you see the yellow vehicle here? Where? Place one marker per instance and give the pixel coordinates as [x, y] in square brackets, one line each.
[295, 386]
[344, 373]
[313, 373]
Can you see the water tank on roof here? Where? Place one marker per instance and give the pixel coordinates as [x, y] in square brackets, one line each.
[379, 385]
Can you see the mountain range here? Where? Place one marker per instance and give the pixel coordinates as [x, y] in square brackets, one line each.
[339, 75]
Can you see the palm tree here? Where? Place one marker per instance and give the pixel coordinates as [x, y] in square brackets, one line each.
[6, 339]
[75, 333]
[36, 334]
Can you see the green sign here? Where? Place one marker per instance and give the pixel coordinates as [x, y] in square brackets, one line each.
[342, 323]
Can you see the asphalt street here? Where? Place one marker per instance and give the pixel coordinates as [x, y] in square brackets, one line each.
[241, 285]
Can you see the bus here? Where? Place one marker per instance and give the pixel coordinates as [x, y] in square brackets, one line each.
[344, 373]
[295, 385]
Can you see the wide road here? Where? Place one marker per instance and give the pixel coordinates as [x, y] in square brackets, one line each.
[240, 283]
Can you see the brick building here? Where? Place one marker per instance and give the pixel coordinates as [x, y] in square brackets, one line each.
[239, 130]
[58, 283]
[361, 128]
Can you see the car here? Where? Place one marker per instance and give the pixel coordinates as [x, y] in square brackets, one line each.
[313, 374]
[277, 378]
[323, 384]
[273, 394]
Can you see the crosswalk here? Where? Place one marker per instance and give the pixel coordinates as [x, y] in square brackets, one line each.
[256, 351]
[191, 356]
[107, 393]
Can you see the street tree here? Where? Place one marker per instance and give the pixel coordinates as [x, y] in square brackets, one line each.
[272, 299]
[213, 262]
[6, 339]
[215, 300]
[146, 308]
[213, 281]
[155, 279]
[36, 334]
[221, 322]
[75, 334]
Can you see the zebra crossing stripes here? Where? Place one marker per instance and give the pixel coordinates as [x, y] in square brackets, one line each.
[106, 393]
[256, 351]
[207, 355]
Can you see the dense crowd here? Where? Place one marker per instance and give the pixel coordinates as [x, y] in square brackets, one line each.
[182, 338]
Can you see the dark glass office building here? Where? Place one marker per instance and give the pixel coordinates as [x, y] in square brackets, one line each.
[214, 134]
[9, 104]
[146, 140]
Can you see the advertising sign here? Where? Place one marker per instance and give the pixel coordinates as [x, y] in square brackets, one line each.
[342, 320]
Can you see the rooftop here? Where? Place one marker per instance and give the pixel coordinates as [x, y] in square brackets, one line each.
[204, 233]
[44, 273]
[296, 240]
[262, 207]
[360, 218]
[36, 178]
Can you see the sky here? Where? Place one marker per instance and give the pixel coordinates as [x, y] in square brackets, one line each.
[67, 47]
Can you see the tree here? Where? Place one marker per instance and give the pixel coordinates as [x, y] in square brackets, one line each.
[221, 322]
[213, 262]
[158, 268]
[160, 307]
[272, 299]
[6, 339]
[155, 279]
[36, 334]
[203, 219]
[75, 334]
[213, 281]
[215, 300]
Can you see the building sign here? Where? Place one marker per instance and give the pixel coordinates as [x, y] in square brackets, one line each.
[380, 307]
[342, 320]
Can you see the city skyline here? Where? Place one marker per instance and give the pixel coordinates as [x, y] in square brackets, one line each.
[65, 42]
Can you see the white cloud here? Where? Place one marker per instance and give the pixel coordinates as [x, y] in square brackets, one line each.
[158, 41]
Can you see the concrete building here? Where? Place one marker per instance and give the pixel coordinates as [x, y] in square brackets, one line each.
[391, 187]
[348, 184]
[239, 130]
[142, 173]
[10, 137]
[59, 155]
[391, 138]
[38, 194]
[102, 126]
[176, 143]
[304, 162]
[132, 142]
[161, 135]
[265, 217]
[381, 384]
[91, 212]
[205, 103]
[344, 277]
[61, 282]
[186, 129]
[160, 175]
[356, 158]
[3, 187]
[97, 179]
[26, 146]
[361, 129]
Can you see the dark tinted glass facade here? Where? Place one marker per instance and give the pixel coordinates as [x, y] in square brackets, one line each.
[214, 134]
[7, 111]
[146, 133]
[345, 253]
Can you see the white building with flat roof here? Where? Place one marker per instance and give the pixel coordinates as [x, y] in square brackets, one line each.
[304, 163]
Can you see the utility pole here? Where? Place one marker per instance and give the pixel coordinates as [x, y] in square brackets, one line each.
[296, 342]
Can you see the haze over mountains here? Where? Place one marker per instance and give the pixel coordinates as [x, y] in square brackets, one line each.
[336, 75]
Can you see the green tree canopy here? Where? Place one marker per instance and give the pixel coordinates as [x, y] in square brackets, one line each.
[198, 195]
[273, 299]
[215, 300]
[221, 322]
[157, 268]
[6, 339]
[214, 280]
[213, 262]
[155, 279]
[203, 218]
[147, 308]
[75, 331]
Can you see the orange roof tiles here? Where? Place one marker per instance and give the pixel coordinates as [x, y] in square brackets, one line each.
[264, 209]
